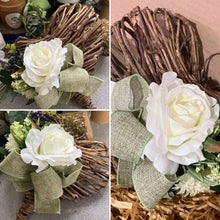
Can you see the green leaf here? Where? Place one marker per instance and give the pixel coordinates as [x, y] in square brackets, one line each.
[209, 156]
[216, 131]
[7, 91]
[218, 101]
[52, 113]
[5, 77]
[20, 142]
[4, 151]
[198, 176]
[7, 46]
[13, 47]
[17, 116]
[211, 145]
[193, 173]
[215, 188]
[7, 129]
[30, 101]
[44, 13]
[209, 182]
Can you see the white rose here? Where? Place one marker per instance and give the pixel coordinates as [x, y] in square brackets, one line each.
[180, 117]
[50, 146]
[43, 62]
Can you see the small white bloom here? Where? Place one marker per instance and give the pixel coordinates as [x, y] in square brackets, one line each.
[51, 146]
[180, 117]
[11, 144]
[43, 62]
[190, 186]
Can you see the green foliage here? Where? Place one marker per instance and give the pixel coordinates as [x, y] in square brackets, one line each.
[5, 78]
[30, 101]
[34, 19]
[216, 131]
[19, 141]
[3, 153]
[191, 171]
[218, 101]
[11, 48]
[52, 113]
[17, 116]
[200, 176]
[215, 188]
[211, 145]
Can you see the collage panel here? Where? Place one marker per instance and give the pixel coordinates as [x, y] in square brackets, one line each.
[54, 162]
[99, 126]
[54, 54]
[165, 110]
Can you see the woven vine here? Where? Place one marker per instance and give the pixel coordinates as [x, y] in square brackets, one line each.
[153, 42]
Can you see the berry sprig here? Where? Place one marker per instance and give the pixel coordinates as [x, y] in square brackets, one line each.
[40, 119]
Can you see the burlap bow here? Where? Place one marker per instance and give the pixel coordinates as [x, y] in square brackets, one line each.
[128, 139]
[73, 78]
[48, 184]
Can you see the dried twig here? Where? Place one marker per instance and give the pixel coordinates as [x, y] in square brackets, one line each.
[126, 205]
[153, 42]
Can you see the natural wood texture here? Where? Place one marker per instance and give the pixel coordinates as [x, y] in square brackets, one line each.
[153, 42]
[105, 34]
[80, 25]
[126, 205]
[77, 124]
[93, 177]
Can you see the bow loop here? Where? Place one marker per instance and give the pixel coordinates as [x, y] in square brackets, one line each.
[128, 139]
[127, 130]
[48, 184]
[73, 78]
[130, 94]
[74, 56]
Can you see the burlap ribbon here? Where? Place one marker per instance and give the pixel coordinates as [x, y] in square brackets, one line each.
[73, 78]
[48, 184]
[128, 139]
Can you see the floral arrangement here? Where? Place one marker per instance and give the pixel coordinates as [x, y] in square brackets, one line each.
[166, 138]
[48, 73]
[42, 157]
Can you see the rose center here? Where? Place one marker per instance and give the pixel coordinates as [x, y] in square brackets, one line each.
[42, 56]
[53, 144]
[186, 110]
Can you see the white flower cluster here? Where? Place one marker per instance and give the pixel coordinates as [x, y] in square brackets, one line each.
[11, 144]
[190, 186]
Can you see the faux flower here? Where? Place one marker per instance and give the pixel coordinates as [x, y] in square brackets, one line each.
[11, 144]
[17, 130]
[214, 174]
[180, 117]
[19, 85]
[51, 146]
[43, 62]
[27, 121]
[190, 186]
[14, 76]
